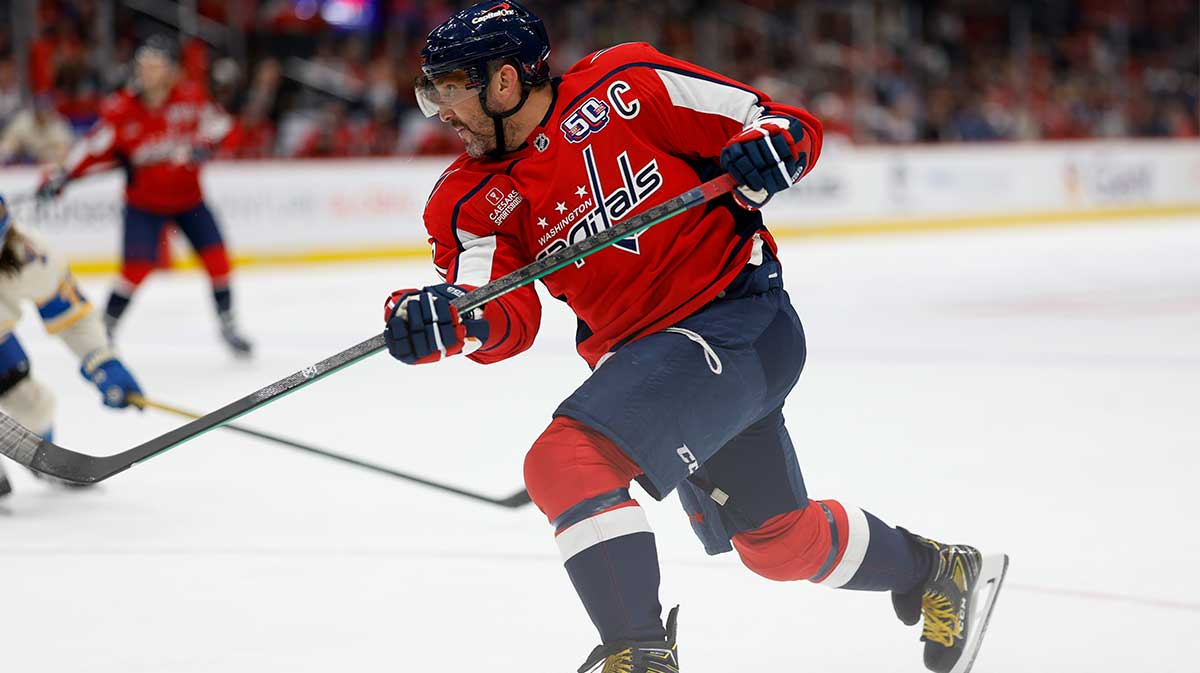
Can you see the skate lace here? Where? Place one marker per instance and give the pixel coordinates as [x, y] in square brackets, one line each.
[942, 625]
[621, 662]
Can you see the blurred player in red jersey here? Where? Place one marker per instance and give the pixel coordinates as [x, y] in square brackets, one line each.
[692, 340]
[158, 132]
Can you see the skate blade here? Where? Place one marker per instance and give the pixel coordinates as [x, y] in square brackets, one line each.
[991, 578]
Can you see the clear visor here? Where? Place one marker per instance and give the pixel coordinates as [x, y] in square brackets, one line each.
[442, 92]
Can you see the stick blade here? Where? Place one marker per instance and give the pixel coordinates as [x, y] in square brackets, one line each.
[29, 449]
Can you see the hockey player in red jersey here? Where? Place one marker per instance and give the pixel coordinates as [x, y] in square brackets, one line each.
[159, 132]
[693, 342]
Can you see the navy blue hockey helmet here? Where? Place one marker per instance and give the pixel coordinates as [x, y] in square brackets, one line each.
[474, 38]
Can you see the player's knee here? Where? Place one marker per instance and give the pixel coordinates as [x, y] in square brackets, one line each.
[571, 463]
[797, 545]
[134, 271]
[216, 262]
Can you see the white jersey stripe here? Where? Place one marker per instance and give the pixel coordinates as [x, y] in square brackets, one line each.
[711, 97]
[97, 143]
[475, 261]
[601, 528]
[215, 124]
[858, 538]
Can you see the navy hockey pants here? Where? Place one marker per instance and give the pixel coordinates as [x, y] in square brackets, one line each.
[700, 406]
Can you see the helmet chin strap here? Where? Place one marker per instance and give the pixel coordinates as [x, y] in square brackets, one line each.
[499, 117]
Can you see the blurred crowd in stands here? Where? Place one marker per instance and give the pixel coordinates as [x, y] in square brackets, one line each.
[873, 71]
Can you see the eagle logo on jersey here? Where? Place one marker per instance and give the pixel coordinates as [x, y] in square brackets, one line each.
[600, 210]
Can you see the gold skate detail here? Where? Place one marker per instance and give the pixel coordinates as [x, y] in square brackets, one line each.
[942, 624]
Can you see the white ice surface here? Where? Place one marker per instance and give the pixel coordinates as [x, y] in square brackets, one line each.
[1031, 391]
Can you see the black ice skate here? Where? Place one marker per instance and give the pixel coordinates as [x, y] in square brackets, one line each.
[237, 343]
[637, 657]
[956, 601]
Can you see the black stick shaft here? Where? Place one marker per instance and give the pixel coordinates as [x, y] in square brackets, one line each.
[515, 500]
[24, 447]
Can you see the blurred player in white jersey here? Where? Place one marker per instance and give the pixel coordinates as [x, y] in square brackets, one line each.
[30, 270]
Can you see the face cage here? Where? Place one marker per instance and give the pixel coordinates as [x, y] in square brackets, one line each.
[432, 100]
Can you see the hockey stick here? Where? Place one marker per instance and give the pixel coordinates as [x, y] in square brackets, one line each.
[33, 452]
[518, 499]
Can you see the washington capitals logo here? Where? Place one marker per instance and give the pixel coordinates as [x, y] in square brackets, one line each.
[598, 210]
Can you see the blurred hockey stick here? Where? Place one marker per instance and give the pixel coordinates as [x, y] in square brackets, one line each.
[33, 452]
[31, 197]
[518, 499]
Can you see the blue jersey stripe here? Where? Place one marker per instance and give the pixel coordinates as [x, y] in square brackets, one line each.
[454, 220]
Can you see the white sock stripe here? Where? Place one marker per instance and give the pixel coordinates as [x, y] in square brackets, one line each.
[601, 528]
[858, 538]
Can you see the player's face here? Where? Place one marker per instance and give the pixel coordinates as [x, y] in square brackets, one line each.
[154, 71]
[459, 106]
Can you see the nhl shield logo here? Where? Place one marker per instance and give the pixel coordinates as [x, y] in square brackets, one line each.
[541, 142]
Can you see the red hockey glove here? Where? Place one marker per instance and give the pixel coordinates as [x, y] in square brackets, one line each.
[766, 158]
[423, 327]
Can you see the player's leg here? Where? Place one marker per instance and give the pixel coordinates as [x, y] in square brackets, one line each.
[580, 480]
[26, 400]
[782, 535]
[657, 409]
[139, 251]
[200, 228]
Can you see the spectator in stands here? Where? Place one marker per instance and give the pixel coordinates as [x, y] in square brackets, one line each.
[10, 91]
[265, 86]
[37, 134]
[334, 135]
[253, 135]
[927, 71]
[383, 132]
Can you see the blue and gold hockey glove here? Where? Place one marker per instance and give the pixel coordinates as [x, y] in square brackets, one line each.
[423, 327]
[116, 384]
[767, 157]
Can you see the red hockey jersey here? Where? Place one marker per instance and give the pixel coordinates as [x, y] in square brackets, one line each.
[156, 146]
[628, 129]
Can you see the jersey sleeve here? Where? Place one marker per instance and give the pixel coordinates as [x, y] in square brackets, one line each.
[688, 110]
[99, 146]
[214, 123]
[45, 280]
[465, 218]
